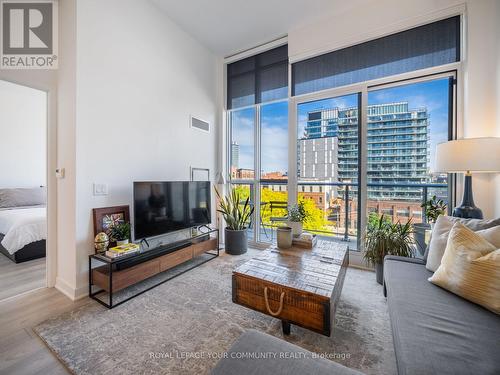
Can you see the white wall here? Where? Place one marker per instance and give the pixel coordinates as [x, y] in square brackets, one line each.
[138, 79]
[481, 64]
[23, 136]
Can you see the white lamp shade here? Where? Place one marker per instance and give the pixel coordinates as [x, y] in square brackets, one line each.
[481, 155]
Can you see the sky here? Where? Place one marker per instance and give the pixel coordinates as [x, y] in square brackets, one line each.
[432, 95]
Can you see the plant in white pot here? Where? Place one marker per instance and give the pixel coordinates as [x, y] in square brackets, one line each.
[237, 215]
[385, 238]
[297, 216]
[120, 233]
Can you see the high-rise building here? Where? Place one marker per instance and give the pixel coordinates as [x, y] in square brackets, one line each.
[235, 155]
[397, 152]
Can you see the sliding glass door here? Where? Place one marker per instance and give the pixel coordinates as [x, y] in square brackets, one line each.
[328, 165]
[370, 152]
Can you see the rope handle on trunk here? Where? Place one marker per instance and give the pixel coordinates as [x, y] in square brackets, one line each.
[266, 300]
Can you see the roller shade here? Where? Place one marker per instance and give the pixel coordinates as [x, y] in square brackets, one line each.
[434, 44]
[258, 79]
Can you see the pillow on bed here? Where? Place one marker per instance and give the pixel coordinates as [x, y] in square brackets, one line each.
[19, 197]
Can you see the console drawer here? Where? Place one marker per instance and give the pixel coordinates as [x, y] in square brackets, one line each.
[174, 259]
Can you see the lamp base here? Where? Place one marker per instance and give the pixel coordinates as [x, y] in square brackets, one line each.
[467, 209]
[468, 212]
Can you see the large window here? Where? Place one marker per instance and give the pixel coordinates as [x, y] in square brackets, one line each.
[364, 122]
[241, 152]
[405, 123]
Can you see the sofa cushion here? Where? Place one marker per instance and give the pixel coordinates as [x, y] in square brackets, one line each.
[256, 353]
[440, 233]
[435, 331]
[470, 268]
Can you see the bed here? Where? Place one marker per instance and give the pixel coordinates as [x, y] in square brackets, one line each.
[23, 224]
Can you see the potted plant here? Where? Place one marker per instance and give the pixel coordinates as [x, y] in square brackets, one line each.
[237, 216]
[432, 208]
[297, 216]
[120, 233]
[385, 238]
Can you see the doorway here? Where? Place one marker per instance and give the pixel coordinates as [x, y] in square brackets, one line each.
[23, 189]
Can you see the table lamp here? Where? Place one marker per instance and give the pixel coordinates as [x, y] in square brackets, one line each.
[470, 155]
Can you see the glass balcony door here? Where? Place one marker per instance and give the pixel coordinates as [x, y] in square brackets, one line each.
[327, 165]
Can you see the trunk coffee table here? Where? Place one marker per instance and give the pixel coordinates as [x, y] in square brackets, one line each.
[298, 286]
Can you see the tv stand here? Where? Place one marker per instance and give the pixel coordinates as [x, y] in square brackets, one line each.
[108, 276]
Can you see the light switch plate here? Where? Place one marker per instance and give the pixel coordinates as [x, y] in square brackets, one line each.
[100, 189]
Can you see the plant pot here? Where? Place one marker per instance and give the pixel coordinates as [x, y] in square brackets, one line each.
[379, 272]
[419, 234]
[284, 235]
[296, 227]
[236, 241]
[122, 242]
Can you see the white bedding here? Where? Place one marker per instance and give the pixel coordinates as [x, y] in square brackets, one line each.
[22, 226]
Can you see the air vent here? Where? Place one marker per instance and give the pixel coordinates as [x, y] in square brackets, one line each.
[200, 124]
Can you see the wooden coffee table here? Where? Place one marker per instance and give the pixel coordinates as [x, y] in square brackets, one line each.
[298, 286]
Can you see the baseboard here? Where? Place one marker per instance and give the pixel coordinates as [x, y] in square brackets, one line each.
[65, 288]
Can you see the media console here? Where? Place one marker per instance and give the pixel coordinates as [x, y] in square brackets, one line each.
[108, 276]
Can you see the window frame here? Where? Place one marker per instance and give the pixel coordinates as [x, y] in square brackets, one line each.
[456, 116]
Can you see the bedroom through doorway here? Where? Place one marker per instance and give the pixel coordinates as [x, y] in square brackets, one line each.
[23, 189]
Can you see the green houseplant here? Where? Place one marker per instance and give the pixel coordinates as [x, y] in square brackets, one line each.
[237, 215]
[120, 233]
[297, 216]
[433, 208]
[385, 238]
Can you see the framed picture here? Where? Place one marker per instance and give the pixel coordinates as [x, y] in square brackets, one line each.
[106, 217]
[200, 174]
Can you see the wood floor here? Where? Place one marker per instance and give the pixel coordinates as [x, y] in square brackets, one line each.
[18, 278]
[21, 350]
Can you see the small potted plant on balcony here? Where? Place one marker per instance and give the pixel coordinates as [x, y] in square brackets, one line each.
[237, 215]
[297, 216]
[385, 238]
[120, 233]
[432, 208]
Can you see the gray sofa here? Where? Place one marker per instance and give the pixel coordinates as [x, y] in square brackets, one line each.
[435, 331]
[256, 353]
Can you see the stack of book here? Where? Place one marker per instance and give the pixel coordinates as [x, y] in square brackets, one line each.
[305, 240]
[119, 251]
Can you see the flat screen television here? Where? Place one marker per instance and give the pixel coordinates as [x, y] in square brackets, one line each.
[161, 207]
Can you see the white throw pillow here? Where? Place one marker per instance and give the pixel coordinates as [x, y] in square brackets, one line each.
[441, 231]
[470, 268]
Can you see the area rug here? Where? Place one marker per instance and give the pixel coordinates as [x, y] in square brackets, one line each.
[184, 325]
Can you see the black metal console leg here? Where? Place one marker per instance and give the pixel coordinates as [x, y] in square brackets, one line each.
[286, 327]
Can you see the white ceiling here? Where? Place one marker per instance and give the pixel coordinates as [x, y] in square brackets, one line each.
[230, 26]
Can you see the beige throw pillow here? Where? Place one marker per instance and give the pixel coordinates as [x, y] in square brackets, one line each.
[470, 268]
[441, 230]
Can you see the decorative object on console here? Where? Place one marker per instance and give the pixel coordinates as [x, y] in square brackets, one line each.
[106, 217]
[238, 216]
[284, 237]
[479, 155]
[297, 216]
[385, 238]
[101, 242]
[120, 233]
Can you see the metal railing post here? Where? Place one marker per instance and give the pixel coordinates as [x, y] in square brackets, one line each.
[346, 224]
[424, 199]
